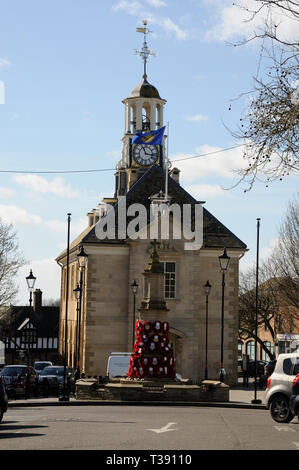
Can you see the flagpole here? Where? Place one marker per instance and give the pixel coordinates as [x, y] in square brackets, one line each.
[166, 165]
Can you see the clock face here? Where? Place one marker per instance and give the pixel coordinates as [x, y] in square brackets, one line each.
[145, 154]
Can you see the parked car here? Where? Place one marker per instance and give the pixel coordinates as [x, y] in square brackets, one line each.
[3, 399]
[118, 365]
[269, 368]
[19, 380]
[40, 365]
[279, 387]
[294, 400]
[260, 365]
[51, 379]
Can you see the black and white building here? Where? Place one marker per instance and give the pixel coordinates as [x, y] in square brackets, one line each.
[32, 333]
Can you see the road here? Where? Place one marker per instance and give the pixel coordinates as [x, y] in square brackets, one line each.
[144, 428]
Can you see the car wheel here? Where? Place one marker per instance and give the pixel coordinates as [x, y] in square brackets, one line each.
[279, 409]
[1, 415]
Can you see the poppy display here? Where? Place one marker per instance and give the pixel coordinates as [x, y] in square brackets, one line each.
[152, 353]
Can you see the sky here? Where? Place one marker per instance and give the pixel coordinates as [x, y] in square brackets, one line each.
[66, 66]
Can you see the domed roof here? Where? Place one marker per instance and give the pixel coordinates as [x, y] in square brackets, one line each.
[145, 90]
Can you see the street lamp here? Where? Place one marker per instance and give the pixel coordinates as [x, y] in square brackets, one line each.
[30, 284]
[82, 260]
[224, 260]
[77, 292]
[134, 287]
[207, 287]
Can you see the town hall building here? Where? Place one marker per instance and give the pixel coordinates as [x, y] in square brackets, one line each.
[105, 292]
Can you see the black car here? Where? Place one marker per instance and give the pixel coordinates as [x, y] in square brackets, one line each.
[51, 380]
[294, 400]
[3, 399]
[19, 380]
[260, 365]
[40, 365]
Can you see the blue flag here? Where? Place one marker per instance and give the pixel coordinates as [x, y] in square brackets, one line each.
[149, 138]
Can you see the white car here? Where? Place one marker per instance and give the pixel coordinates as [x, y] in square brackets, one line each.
[279, 387]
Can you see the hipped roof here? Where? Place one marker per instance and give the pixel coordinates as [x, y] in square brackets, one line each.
[215, 235]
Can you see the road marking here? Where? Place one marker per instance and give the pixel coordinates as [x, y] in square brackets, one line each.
[284, 428]
[164, 429]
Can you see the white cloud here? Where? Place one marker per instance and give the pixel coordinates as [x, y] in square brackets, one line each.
[17, 216]
[171, 27]
[133, 8]
[57, 186]
[249, 260]
[232, 23]
[222, 164]
[267, 250]
[196, 118]
[157, 3]
[206, 191]
[60, 226]
[6, 192]
[4, 62]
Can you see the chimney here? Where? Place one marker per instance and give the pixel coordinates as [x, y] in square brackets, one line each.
[90, 219]
[175, 174]
[96, 216]
[37, 301]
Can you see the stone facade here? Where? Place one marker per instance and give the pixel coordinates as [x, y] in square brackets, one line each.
[108, 307]
[107, 301]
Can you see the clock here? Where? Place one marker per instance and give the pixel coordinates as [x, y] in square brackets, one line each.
[146, 155]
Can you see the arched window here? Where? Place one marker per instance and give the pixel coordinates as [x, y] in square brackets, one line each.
[158, 116]
[270, 346]
[132, 119]
[146, 122]
[250, 349]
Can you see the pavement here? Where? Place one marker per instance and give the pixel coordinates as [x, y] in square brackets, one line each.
[239, 397]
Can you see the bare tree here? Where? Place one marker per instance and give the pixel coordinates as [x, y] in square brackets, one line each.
[51, 302]
[278, 291]
[270, 124]
[267, 308]
[10, 262]
[283, 264]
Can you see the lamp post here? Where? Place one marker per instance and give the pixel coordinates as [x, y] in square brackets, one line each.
[77, 292]
[134, 287]
[65, 394]
[224, 263]
[82, 260]
[256, 400]
[30, 284]
[207, 287]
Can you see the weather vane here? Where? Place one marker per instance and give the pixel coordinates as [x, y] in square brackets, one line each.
[145, 52]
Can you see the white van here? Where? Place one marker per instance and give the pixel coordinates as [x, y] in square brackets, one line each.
[118, 364]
